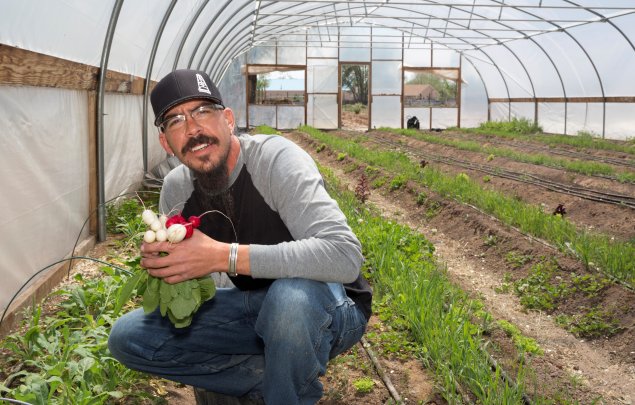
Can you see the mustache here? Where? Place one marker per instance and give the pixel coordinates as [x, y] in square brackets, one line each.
[198, 140]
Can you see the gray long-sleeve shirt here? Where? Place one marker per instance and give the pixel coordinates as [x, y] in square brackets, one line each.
[324, 247]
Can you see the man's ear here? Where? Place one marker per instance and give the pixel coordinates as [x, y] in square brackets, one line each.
[164, 143]
[229, 116]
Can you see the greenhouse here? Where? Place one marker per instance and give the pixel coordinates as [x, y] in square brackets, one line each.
[487, 142]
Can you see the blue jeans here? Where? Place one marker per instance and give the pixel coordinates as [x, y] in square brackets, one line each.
[272, 343]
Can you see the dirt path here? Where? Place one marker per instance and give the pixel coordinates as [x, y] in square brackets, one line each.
[579, 369]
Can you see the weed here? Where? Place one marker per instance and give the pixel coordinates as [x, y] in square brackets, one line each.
[491, 240]
[421, 198]
[433, 209]
[357, 108]
[341, 156]
[517, 260]
[379, 182]
[351, 167]
[487, 179]
[364, 385]
[490, 157]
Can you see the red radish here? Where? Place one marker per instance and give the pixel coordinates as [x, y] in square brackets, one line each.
[175, 219]
[195, 221]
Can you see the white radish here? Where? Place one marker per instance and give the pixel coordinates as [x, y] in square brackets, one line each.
[163, 218]
[149, 236]
[162, 235]
[148, 216]
[156, 225]
[176, 233]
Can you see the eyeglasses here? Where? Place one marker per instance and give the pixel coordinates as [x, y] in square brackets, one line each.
[201, 114]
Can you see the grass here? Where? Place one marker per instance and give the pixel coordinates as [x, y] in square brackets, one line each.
[576, 166]
[523, 129]
[613, 257]
[400, 264]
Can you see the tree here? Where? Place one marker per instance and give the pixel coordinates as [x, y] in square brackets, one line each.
[355, 78]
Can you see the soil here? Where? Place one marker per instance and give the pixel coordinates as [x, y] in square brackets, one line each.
[573, 369]
[580, 369]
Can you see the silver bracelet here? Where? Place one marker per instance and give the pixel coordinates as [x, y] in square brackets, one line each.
[233, 256]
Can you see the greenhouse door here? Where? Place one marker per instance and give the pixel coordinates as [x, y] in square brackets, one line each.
[354, 93]
[322, 93]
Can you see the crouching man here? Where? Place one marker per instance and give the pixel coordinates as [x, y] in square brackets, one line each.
[298, 298]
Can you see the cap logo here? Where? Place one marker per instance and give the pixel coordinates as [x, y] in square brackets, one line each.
[202, 86]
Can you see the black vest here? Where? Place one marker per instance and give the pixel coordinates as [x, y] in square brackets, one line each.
[254, 222]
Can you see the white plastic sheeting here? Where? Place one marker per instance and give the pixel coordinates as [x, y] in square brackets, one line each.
[44, 166]
[553, 50]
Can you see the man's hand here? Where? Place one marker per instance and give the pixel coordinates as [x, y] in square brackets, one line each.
[191, 258]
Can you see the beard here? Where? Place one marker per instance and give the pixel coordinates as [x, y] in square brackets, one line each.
[216, 178]
[212, 182]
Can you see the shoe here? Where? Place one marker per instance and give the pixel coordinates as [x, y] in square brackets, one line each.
[204, 397]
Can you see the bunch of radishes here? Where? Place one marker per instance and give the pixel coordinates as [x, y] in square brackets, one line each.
[179, 301]
[172, 229]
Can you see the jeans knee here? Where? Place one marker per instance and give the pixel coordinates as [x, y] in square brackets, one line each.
[294, 308]
[296, 297]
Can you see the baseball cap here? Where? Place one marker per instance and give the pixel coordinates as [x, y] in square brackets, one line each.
[180, 86]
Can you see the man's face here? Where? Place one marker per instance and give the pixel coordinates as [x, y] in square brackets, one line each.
[203, 141]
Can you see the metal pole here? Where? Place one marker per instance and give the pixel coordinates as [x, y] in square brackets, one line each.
[103, 68]
[146, 87]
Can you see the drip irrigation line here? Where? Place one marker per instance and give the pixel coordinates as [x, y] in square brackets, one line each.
[15, 401]
[380, 371]
[126, 271]
[79, 234]
[585, 193]
[495, 367]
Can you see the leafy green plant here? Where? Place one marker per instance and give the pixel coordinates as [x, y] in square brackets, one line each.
[594, 323]
[398, 182]
[379, 182]
[63, 357]
[341, 156]
[516, 259]
[523, 343]
[364, 385]
[537, 290]
[178, 301]
[320, 148]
